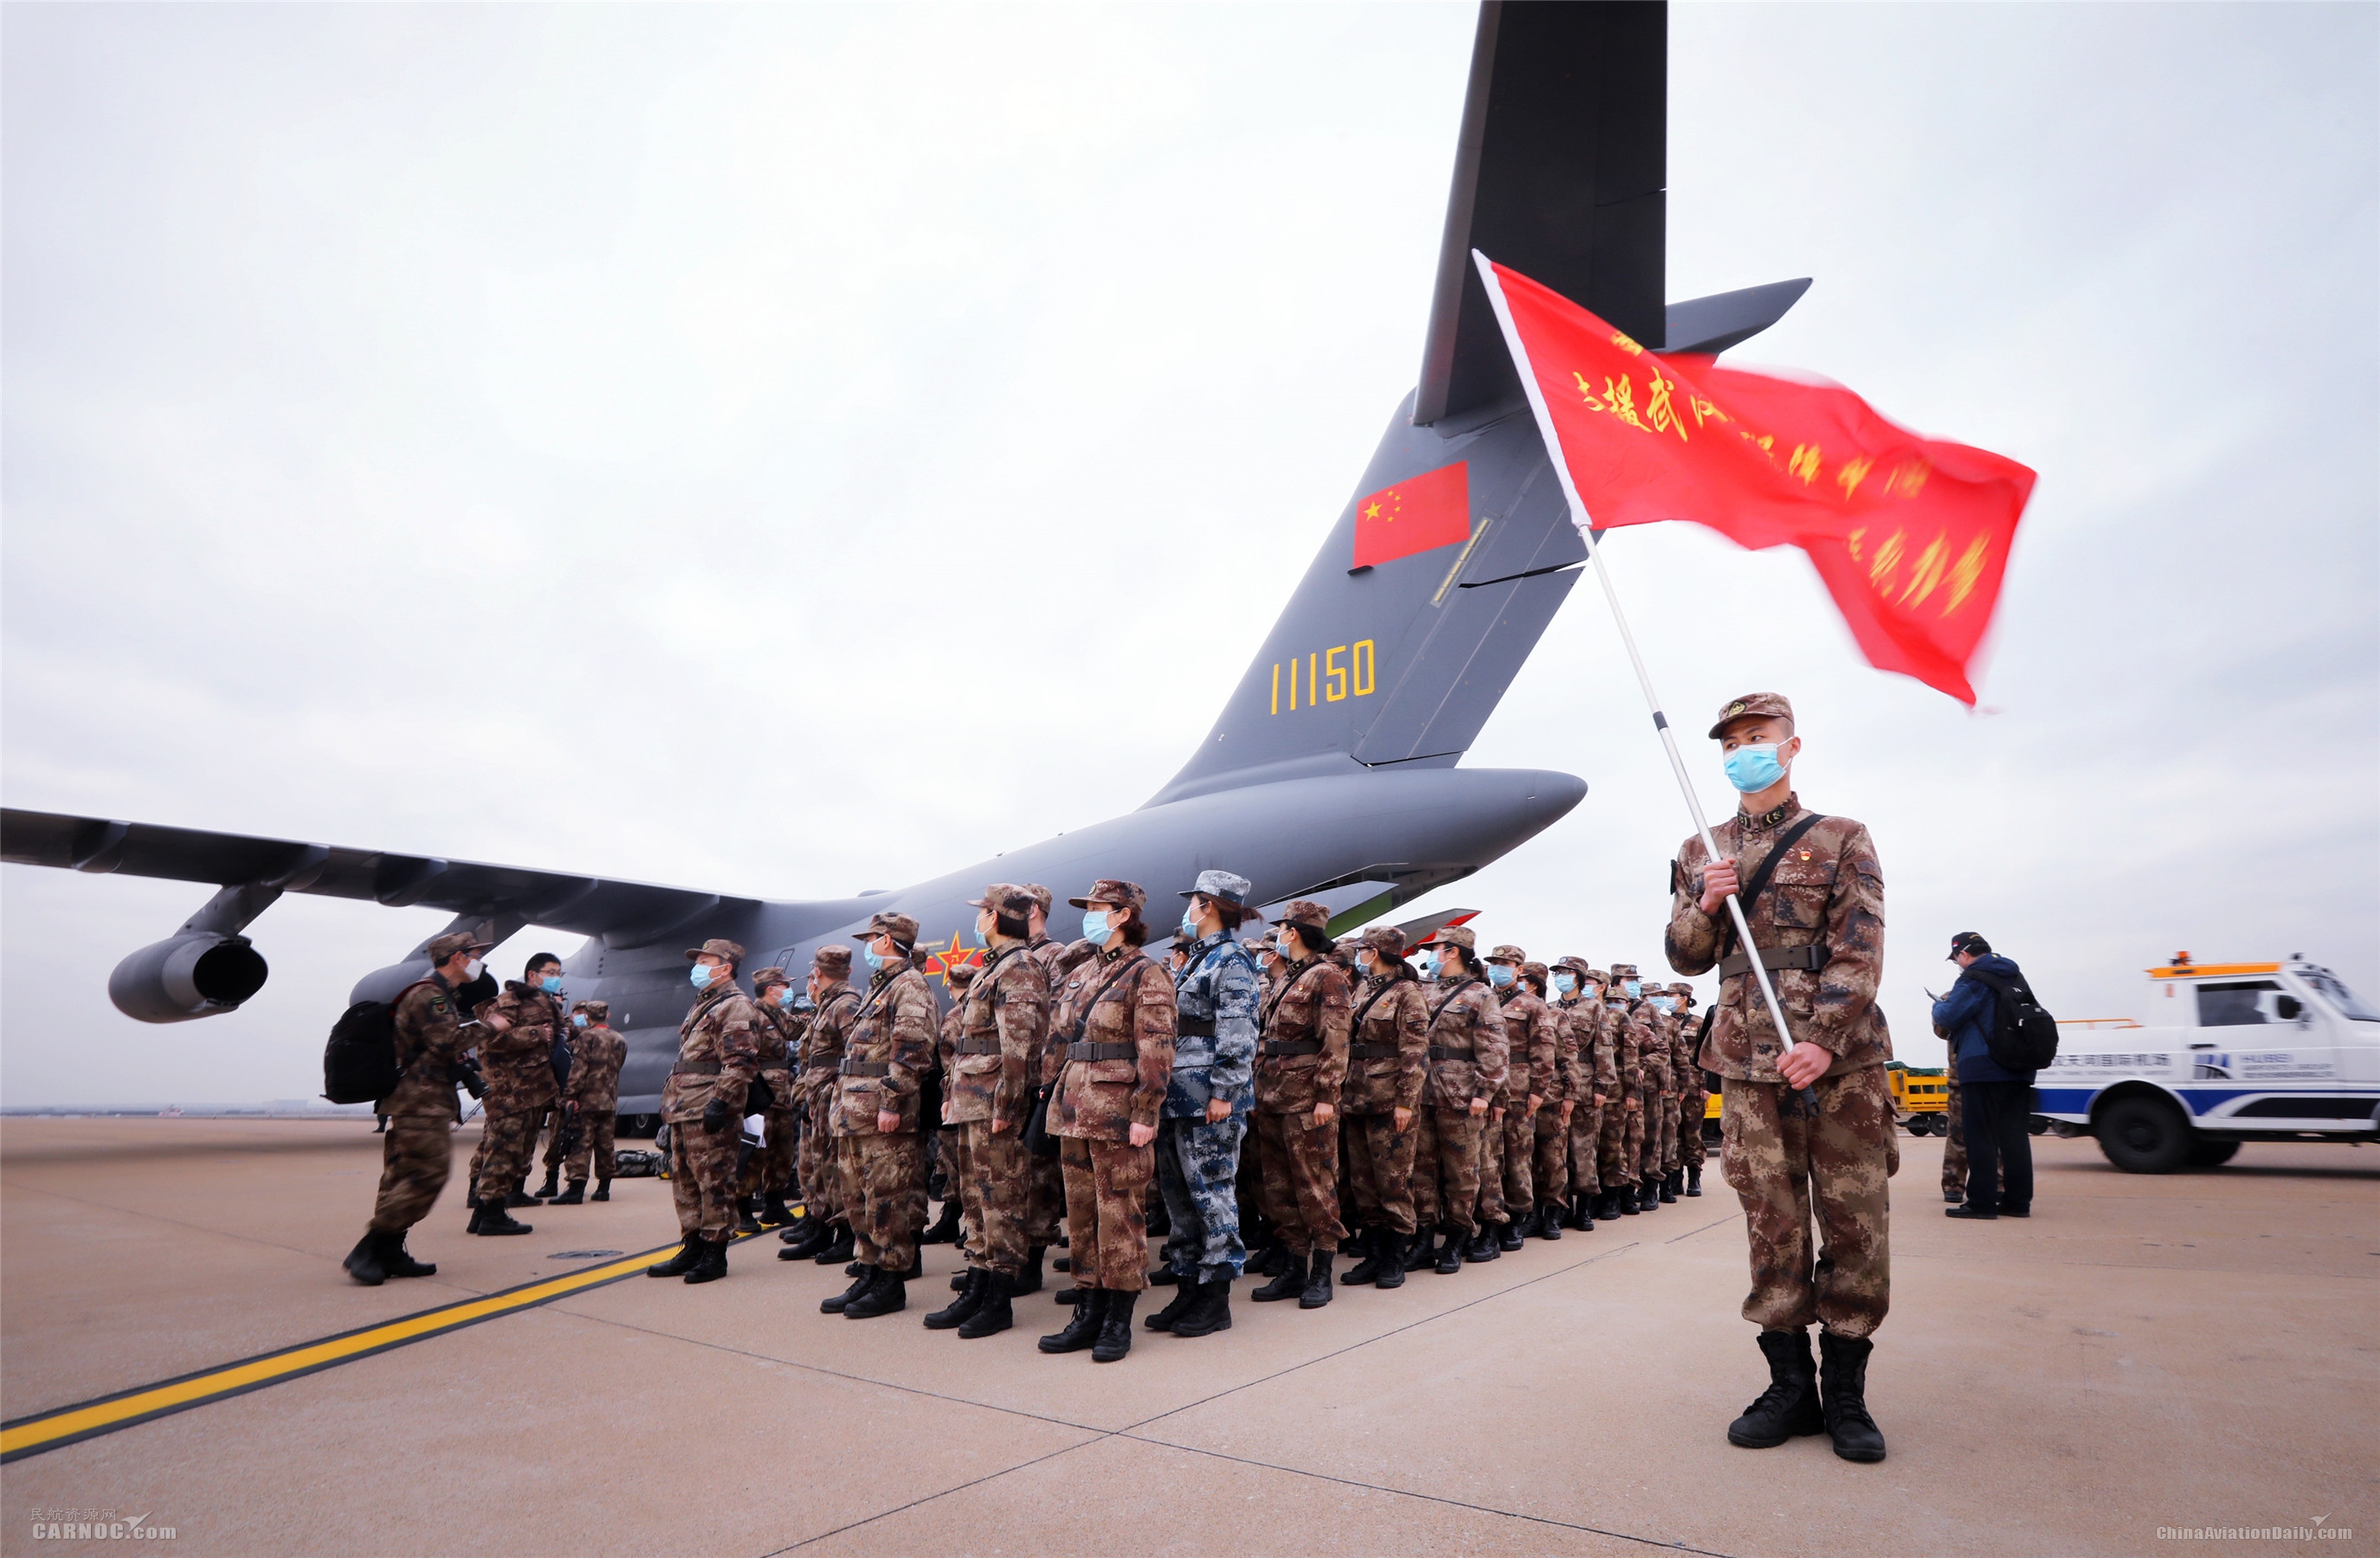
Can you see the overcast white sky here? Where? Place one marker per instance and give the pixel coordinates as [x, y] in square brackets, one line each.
[415, 418]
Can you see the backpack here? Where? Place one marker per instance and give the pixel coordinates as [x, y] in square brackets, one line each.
[2022, 1036]
[360, 1063]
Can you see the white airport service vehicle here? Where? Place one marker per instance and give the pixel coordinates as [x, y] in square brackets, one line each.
[2235, 1052]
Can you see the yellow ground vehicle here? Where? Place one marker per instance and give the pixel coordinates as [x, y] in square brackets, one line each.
[1921, 1098]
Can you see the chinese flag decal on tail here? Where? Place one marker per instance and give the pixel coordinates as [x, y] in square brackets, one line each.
[1910, 533]
[1430, 510]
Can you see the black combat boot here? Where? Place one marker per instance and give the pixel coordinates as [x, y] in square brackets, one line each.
[1789, 1405]
[1211, 1311]
[1673, 1185]
[494, 1219]
[951, 1316]
[1693, 1178]
[1631, 1201]
[1396, 1249]
[1116, 1328]
[1449, 1254]
[805, 1238]
[363, 1261]
[946, 1228]
[1648, 1195]
[710, 1260]
[917, 1267]
[1318, 1280]
[1507, 1237]
[1083, 1329]
[552, 1186]
[1164, 1276]
[1161, 1221]
[396, 1262]
[602, 1190]
[959, 1279]
[1550, 1222]
[476, 1217]
[774, 1212]
[1479, 1248]
[992, 1315]
[1029, 1279]
[1270, 1261]
[1185, 1296]
[519, 1196]
[575, 1196]
[1289, 1284]
[1061, 1263]
[1582, 1213]
[1365, 1272]
[860, 1283]
[1842, 1396]
[837, 1249]
[748, 1215]
[1421, 1250]
[681, 1262]
[887, 1295]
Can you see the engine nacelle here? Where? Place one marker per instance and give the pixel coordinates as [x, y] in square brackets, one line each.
[197, 974]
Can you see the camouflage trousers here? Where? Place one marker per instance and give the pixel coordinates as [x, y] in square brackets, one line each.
[1380, 1169]
[415, 1158]
[1622, 1144]
[1446, 1169]
[507, 1143]
[1045, 1205]
[1585, 1147]
[1954, 1146]
[1517, 1155]
[770, 1167]
[1692, 1107]
[594, 1140]
[815, 1162]
[1552, 1169]
[702, 1178]
[1487, 1200]
[1300, 1163]
[990, 1175]
[1788, 1166]
[1198, 1169]
[884, 1196]
[1660, 1134]
[1107, 1189]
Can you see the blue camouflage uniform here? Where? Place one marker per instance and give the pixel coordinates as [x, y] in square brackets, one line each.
[1198, 1164]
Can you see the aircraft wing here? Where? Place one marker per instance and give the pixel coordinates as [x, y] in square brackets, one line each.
[624, 913]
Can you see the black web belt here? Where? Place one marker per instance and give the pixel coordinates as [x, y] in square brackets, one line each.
[1194, 1028]
[978, 1044]
[1813, 958]
[1279, 1048]
[1083, 1049]
[1448, 1052]
[695, 1069]
[866, 1068]
[1371, 1052]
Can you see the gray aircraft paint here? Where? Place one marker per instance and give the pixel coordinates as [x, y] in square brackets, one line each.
[1355, 799]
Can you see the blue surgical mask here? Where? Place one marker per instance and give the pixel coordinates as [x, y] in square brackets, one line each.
[1428, 968]
[551, 985]
[1499, 975]
[875, 959]
[699, 975]
[1190, 923]
[1664, 1003]
[1565, 983]
[785, 997]
[578, 1020]
[1753, 768]
[1634, 988]
[1094, 925]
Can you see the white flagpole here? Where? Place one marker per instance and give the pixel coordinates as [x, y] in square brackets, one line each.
[1585, 527]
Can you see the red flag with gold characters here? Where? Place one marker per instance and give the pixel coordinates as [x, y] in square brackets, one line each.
[1910, 533]
[1430, 510]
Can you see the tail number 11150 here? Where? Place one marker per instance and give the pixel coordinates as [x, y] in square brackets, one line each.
[1324, 676]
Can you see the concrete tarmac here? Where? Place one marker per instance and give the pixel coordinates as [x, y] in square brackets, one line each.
[2191, 1351]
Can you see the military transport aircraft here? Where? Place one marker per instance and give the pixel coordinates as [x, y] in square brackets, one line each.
[1332, 772]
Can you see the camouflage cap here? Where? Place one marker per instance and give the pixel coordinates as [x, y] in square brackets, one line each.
[1222, 885]
[1623, 971]
[1109, 890]
[1387, 940]
[1505, 952]
[955, 974]
[1454, 936]
[900, 927]
[1682, 988]
[1578, 966]
[834, 962]
[1306, 913]
[1005, 897]
[763, 978]
[1038, 894]
[442, 948]
[597, 1011]
[1534, 971]
[1752, 706]
[725, 951]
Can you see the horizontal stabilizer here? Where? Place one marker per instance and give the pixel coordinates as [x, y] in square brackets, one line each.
[1711, 325]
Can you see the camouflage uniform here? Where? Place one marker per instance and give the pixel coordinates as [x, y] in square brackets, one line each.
[1827, 897]
[821, 1057]
[418, 1152]
[887, 1049]
[594, 1087]
[771, 1166]
[718, 1054]
[1620, 1147]
[1301, 1063]
[1598, 1076]
[519, 1066]
[1199, 1163]
[1468, 1059]
[1660, 1114]
[1531, 1046]
[1116, 1014]
[1003, 1024]
[1559, 1085]
[1045, 1211]
[1387, 1060]
[1694, 1100]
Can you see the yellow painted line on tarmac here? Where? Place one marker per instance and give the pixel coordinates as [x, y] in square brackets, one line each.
[66, 1425]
